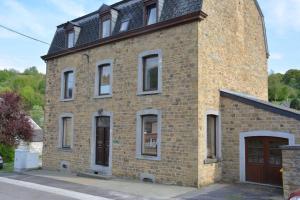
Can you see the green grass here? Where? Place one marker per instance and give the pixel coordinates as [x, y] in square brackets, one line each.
[8, 167]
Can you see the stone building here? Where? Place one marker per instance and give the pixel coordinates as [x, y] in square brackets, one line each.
[133, 90]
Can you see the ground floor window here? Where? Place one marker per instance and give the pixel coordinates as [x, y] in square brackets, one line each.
[66, 131]
[148, 134]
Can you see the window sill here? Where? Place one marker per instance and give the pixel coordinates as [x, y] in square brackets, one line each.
[211, 161]
[103, 96]
[68, 150]
[66, 100]
[142, 157]
[149, 93]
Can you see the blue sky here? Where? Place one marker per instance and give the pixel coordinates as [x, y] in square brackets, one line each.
[40, 18]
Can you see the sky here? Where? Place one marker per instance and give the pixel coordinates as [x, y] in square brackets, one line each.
[39, 19]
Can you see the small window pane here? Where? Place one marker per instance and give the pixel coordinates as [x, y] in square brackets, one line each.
[105, 28]
[67, 132]
[149, 135]
[124, 26]
[104, 79]
[151, 14]
[150, 73]
[68, 85]
[211, 136]
[255, 151]
[71, 39]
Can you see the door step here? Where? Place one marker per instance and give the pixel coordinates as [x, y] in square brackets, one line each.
[93, 175]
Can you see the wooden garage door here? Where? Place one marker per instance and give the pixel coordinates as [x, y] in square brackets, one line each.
[263, 159]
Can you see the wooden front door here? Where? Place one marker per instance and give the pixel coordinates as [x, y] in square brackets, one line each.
[102, 140]
[263, 160]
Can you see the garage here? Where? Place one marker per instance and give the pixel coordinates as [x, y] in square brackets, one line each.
[264, 159]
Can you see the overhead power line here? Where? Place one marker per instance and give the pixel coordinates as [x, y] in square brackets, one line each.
[27, 36]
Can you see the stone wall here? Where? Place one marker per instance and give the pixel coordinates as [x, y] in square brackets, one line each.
[232, 55]
[291, 169]
[177, 103]
[239, 117]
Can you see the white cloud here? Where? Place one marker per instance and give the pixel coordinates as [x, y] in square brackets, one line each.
[276, 56]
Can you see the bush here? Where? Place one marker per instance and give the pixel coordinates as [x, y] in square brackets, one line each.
[7, 153]
[295, 103]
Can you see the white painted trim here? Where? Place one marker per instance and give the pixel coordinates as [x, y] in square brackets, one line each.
[261, 133]
[51, 190]
[102, 169]
[60, 130]
[140, 81]
[139, 134]
[218, 135]
[96, 86]
[62, 83]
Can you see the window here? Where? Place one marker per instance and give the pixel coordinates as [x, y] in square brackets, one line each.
[106, 28]
[150, 72]
[148, 134]
[104, 79]
[151, 14]
[71, 39]
[68, 84]
[66, 132]
[211, 136]
[124, 26]
[150, 79]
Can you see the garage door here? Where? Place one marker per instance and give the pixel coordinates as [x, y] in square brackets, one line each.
[263, 159]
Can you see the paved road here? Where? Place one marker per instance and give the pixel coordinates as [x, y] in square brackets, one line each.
[13, 192]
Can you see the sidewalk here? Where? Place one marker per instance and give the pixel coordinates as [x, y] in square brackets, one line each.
[146, 190]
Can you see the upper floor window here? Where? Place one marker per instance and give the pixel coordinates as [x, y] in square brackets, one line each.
[124, 26]
[71, 39]
[105, 27]
[67, 85]
[150, 72]
[103, 83]
[104, 79]
[151, 14]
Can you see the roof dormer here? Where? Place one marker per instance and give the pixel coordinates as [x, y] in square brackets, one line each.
[152, 11]
[107, 18]
[72, 31]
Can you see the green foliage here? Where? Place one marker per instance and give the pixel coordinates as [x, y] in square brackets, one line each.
[37, 114]
[7, 153]
[285, 87]
[30, 85]
[295, 103]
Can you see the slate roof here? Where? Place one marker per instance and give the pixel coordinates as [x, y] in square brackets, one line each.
[265, 105]
[127, 9]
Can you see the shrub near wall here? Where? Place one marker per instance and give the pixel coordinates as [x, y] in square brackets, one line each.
[7, 153]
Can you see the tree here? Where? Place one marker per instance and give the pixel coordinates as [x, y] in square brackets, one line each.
[295, 104]
[14, 124]
[37, 114]
[31, 71]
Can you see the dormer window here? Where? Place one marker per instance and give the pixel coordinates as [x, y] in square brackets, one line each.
[124, 26]
[151, 12]
[106, 27]
[72, 31]
[71, 39]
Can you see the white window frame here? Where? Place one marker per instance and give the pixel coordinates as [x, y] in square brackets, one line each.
[61, 129]
[102, 26]
[126, 29]
[139, 122]
[68, 38]
[62, 84]
[140, 89]
[218, 137]
[96, 87]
